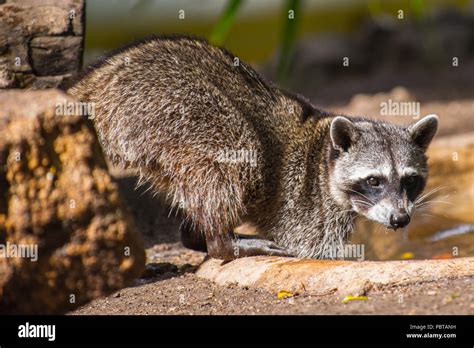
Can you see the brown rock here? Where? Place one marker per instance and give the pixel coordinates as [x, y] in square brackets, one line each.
[7, 78]
[43, 82]
[40, 38]
[18, 59]
[55, 55]
[319, 277]
[30, 19]
[56, 195]
[3, 41]
[74, 9]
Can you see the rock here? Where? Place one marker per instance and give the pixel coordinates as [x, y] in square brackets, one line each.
[30, 19]
[3, 42]
[188, 268]
[56, 197]
[43, 82]
[319, 277]
[7, 79]
[40, 38]
[55, 55]
[74, 9]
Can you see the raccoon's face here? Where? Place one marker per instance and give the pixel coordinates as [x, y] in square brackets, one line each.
[379, 169]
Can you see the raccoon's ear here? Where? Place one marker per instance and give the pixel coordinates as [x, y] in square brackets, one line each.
[343, 133]
[424, 130]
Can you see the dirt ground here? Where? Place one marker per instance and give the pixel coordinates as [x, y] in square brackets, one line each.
[188, 294]
[170, 287]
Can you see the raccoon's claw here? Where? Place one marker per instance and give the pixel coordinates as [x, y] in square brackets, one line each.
[253, 247]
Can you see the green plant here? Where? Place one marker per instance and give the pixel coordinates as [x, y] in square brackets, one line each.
[288, 35]
[219, 34]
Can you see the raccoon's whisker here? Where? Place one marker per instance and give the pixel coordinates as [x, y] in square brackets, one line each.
[433, 201]
[364, 203]
[434, 190]
[422, 198]
[362, 196]
[420, 208]
[429, 193]
[360, 200]
[425, 198]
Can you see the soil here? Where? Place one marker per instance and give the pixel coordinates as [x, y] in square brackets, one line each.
[170, 287]
[190, 295]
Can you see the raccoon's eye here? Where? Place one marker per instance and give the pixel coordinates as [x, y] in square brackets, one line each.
[373, 181]
[410, 180]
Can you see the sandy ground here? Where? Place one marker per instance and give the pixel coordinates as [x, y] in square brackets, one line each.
[170, 287]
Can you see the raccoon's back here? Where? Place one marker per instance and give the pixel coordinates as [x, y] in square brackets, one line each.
[167, 93]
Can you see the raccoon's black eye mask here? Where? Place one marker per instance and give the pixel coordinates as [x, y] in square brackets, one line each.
[376, 185]
[413, 185]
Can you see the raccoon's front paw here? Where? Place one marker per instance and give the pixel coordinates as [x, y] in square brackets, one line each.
[244, 247]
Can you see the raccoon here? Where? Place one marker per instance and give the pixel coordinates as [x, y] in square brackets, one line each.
[227, 147]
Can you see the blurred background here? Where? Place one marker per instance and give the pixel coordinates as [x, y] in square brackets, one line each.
[315, 35]
[349, 56]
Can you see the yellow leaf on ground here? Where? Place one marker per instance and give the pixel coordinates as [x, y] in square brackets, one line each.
[354, 298]
[284, 294]
[407, 256]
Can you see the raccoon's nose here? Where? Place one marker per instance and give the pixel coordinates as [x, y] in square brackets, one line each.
[399, 220]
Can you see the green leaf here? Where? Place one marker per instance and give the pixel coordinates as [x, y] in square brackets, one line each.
[219, 34]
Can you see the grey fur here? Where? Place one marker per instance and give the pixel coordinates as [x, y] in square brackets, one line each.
[174, 108]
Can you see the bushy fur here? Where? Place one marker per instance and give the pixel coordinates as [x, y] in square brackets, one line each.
[169, 107]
